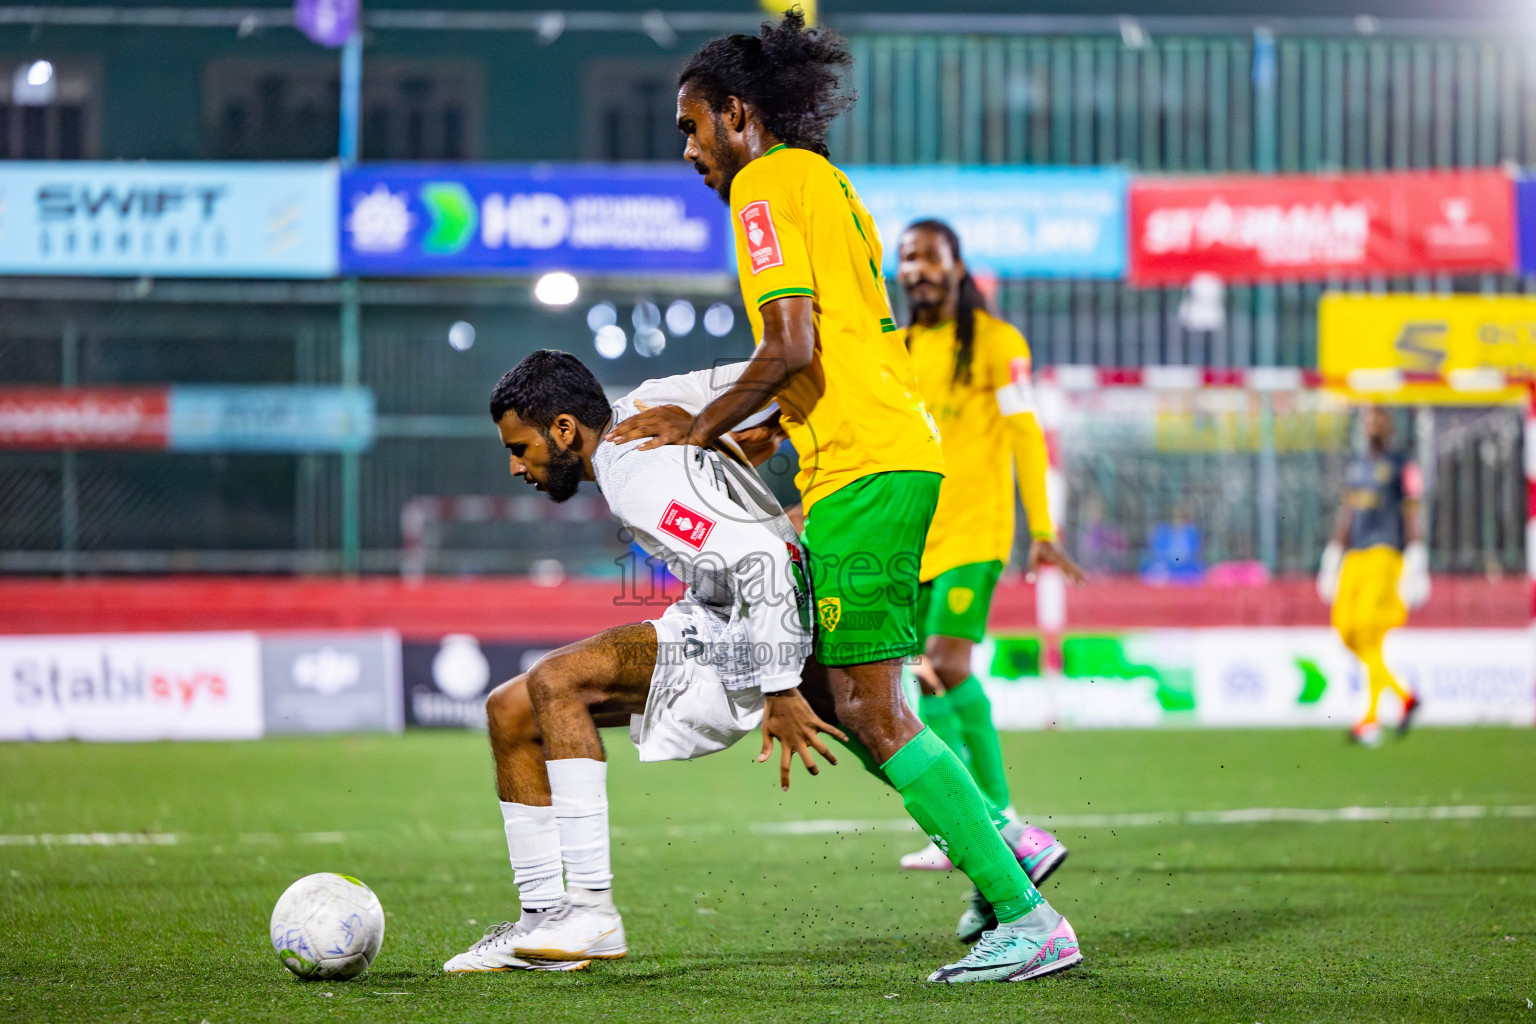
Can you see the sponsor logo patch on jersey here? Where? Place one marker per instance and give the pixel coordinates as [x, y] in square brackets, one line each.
[686, 525]
[1018, 370]
[762, 240]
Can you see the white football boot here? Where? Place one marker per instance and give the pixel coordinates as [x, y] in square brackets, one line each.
[494, 952]
[584, 927]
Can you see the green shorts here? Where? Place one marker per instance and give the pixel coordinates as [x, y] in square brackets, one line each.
[956, 602]
[865, 543]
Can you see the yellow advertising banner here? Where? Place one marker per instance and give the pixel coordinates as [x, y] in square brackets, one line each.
[1455, 336]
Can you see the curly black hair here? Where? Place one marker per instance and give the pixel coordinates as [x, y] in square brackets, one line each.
[792, 76]
[544, 385]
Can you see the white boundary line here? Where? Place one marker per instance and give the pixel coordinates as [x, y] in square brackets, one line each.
[830, 826]
[92, 839]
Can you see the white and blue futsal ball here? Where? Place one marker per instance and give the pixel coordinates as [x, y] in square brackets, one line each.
[327, 927]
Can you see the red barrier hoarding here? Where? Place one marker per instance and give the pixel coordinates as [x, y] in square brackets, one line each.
[83, 417]
[1306, 226]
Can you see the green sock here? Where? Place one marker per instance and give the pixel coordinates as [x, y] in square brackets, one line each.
[969, 703]
[872, 766]
[943, 799]
[939, 715]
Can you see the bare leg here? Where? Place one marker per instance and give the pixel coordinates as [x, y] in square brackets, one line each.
[950, 657]
[870, 705]
[516, 746]
[607, 678]
[593, 682]
[946, 664]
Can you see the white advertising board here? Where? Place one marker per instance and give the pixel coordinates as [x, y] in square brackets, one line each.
[147, 686]
[1278, 676]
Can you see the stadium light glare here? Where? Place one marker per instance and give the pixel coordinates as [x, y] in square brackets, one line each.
[681, 317]
[461, 335]
[557, 288]
[645, 315]
[610, 341]
[602, 315]
[719, 319]
[34, 85]
[650, 341]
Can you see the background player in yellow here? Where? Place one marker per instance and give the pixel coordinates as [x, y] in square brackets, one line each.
[755, 110]
[1368, 574]
[974, 373]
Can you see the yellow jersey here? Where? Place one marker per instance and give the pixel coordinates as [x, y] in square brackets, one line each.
[855, 410]
[988, 427]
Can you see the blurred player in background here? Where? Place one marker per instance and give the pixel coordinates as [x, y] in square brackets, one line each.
[974, 374]
[1376, 567]
[755, 110]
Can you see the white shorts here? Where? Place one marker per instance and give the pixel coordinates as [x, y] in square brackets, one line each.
[703, 697]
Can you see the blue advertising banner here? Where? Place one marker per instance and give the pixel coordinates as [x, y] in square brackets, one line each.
[488, 219]
[1012, 221]
[1525, 223]
[168, 219]
[274, 418]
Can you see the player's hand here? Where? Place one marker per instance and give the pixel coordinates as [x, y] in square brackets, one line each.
[1050, 552]
[663, 424]
[1413, 581]
[927, 678]
[759, 443]
[796, 514]
[1328, 572]
[788, 718]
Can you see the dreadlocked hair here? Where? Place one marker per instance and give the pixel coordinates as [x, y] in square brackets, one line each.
[789, 73]
[967, 303]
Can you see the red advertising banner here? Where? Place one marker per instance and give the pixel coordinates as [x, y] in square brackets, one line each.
[1320, 226]
[84, 418]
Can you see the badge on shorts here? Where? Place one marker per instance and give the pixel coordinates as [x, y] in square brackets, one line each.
[830, 611]
[762, 241]
[686, 525]
[960, 599]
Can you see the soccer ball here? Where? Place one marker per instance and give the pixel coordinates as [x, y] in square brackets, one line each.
[327, 927]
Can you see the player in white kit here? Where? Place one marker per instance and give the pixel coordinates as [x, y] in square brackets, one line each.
[688, 683]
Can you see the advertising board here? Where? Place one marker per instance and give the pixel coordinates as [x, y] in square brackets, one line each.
[486, 219]
[131, 219]
[1312, 226]
[131, 686]
[332, 681]
[1013, 221]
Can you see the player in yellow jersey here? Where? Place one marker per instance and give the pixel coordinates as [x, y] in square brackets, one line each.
[1376, 567]
[974, 373]
[755, 110]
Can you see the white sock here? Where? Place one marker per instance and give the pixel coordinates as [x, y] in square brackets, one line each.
[579, 786]
[533, 842]
[1038, 923]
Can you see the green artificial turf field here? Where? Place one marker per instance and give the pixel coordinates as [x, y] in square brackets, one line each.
[736, 912]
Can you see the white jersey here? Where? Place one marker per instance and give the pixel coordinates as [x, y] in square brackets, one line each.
[708, 516]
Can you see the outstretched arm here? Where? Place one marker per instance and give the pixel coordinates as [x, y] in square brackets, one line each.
[1333, 556]
[789, 343]
[1031, 463]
